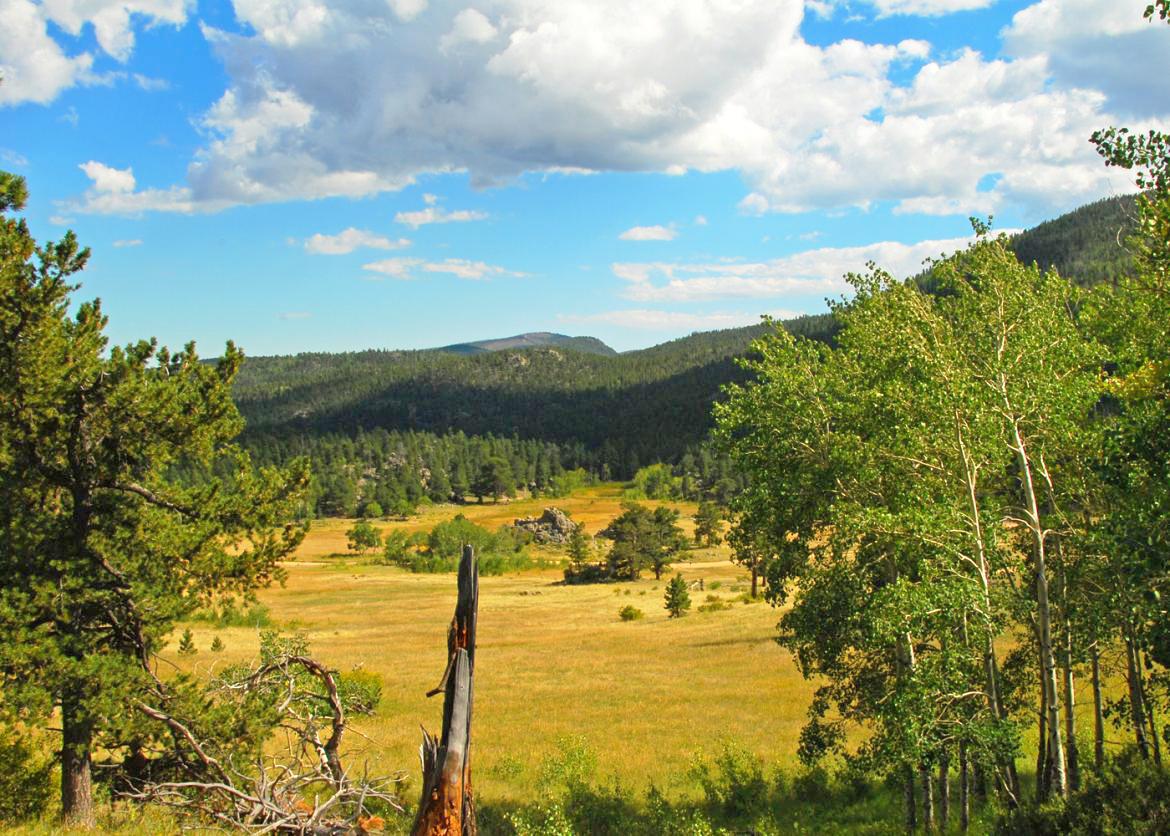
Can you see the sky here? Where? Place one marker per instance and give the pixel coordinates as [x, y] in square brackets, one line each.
[298, 175]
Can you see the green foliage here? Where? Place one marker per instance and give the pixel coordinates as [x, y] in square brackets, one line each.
[187, 643]
[439, 551]
[362, 537]
[360, 691]
[642, 539]
[217, 645]
[25, 785]
[733, 783]
[630, 613]
[568, 482]
[1130, 796]
[103, 547]
[656, 481]
[707, 524]
[677, 599]
[373, 510]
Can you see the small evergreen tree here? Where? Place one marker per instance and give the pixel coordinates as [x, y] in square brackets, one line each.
[678, 599]
[217, 645]
[580, 548]
[707, 524]
[187, 644]
[373, 511]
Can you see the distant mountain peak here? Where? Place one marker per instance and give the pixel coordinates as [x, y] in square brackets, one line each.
[532, 339]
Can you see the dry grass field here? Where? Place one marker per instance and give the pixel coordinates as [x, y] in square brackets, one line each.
[553, 661]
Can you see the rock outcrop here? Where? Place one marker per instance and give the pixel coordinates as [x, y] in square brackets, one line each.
[553, 526]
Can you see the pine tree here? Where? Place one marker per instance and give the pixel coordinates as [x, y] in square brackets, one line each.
[102, 548]
[187, 644]
[678, 599]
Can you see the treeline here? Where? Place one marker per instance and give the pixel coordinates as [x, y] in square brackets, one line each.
[396, 472]
[964, 505]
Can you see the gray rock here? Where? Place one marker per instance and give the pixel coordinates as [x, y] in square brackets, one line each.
[553, 526]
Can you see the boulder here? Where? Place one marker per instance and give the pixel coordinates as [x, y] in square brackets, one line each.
[553, 526]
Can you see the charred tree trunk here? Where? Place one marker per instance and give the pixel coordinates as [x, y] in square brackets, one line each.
[447, 805]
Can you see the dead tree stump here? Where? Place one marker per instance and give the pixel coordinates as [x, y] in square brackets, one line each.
[447, 807]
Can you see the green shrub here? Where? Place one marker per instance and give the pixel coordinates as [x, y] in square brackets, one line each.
[187, 644]
[1131, 796]
[733, 783]
[630, 613]
[360, 691]
[441, 549]
[714, 585]
[714, 604]
[25, 782]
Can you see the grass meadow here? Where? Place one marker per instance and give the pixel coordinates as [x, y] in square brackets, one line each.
[553, 661]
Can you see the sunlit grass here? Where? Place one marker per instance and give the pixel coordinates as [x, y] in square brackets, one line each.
[552, 661]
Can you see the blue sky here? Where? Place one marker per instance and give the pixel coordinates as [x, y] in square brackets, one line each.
[300, 176]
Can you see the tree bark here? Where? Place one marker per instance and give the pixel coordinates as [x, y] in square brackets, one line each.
[908, 789]
[76, 776]
[447, 806]
[1151, 716]
[964, 789]
[1043, 609]
[1070, 721]
[927, 798]
[1098, 712]
[1137, 710]
[1042, 751]
[944, 790]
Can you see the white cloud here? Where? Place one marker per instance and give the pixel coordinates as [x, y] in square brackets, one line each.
[108, 179]
[113, 192]
[36, 67]
[1101, 45]
[435, 215]
[469, 26]
[657, 320]
[927, 8]
[13, 158]
[754, 204]
[128, 242]
[463, 269]
[700, 220]
[349, 240]
[406, 268]
[395, 268]
[293, 315]
[813, 271]
[649, 233]
[664, 86]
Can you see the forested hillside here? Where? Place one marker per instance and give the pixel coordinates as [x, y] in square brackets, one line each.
[609, 414]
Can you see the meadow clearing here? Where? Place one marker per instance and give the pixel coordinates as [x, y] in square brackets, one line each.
[554, 662]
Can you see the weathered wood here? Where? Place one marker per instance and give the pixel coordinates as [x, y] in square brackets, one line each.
[447, 805]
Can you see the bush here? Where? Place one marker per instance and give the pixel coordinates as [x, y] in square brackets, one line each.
[360, 691]
[630, 613]
[440, 550]
[1131, 795]
[25, 782]
[714, 604]
[733, 784]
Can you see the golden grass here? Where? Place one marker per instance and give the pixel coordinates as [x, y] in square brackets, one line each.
[552, 660]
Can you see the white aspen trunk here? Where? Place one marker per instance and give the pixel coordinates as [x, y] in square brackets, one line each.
[1043, 609]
